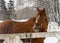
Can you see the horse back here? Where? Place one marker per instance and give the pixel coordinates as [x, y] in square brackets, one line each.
[5, 27]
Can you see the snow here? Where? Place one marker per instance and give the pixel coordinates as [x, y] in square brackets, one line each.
[52, 26]
[1, 21]
[23, 20]
[51, 40]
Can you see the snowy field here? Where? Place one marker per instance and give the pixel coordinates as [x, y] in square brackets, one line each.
[53, 26]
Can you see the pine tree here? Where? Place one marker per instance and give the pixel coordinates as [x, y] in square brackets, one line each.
[11, 8]
[8, 11]
[56, 9]
[4, 12]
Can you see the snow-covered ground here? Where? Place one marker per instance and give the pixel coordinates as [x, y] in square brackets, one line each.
[52, 26]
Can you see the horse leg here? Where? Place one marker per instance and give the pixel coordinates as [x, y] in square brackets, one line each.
[1, 40]
[41, 40]
[26, 40]
[38, 40]
[35, 40]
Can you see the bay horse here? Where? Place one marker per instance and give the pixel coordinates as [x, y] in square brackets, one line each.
[39, 23]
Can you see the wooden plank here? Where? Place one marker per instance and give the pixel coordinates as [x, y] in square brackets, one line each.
[33, 35]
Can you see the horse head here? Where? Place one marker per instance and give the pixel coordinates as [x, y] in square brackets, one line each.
[41, 21]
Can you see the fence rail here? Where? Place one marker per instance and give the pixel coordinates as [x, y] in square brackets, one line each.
[31, 35]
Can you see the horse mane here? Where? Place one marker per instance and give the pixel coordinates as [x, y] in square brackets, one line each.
[31, 19]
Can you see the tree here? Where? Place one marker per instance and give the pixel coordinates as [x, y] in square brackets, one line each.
[11, 9]
[7, 12]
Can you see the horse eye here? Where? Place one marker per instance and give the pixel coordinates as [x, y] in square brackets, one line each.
[44, 21]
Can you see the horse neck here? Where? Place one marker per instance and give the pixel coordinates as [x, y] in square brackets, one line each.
[31, 21]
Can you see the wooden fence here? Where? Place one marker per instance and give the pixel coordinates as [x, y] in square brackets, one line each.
[19, 36]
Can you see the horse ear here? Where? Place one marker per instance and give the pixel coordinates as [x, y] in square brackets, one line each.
[38, 9]
[34, 19]
[44, 10]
